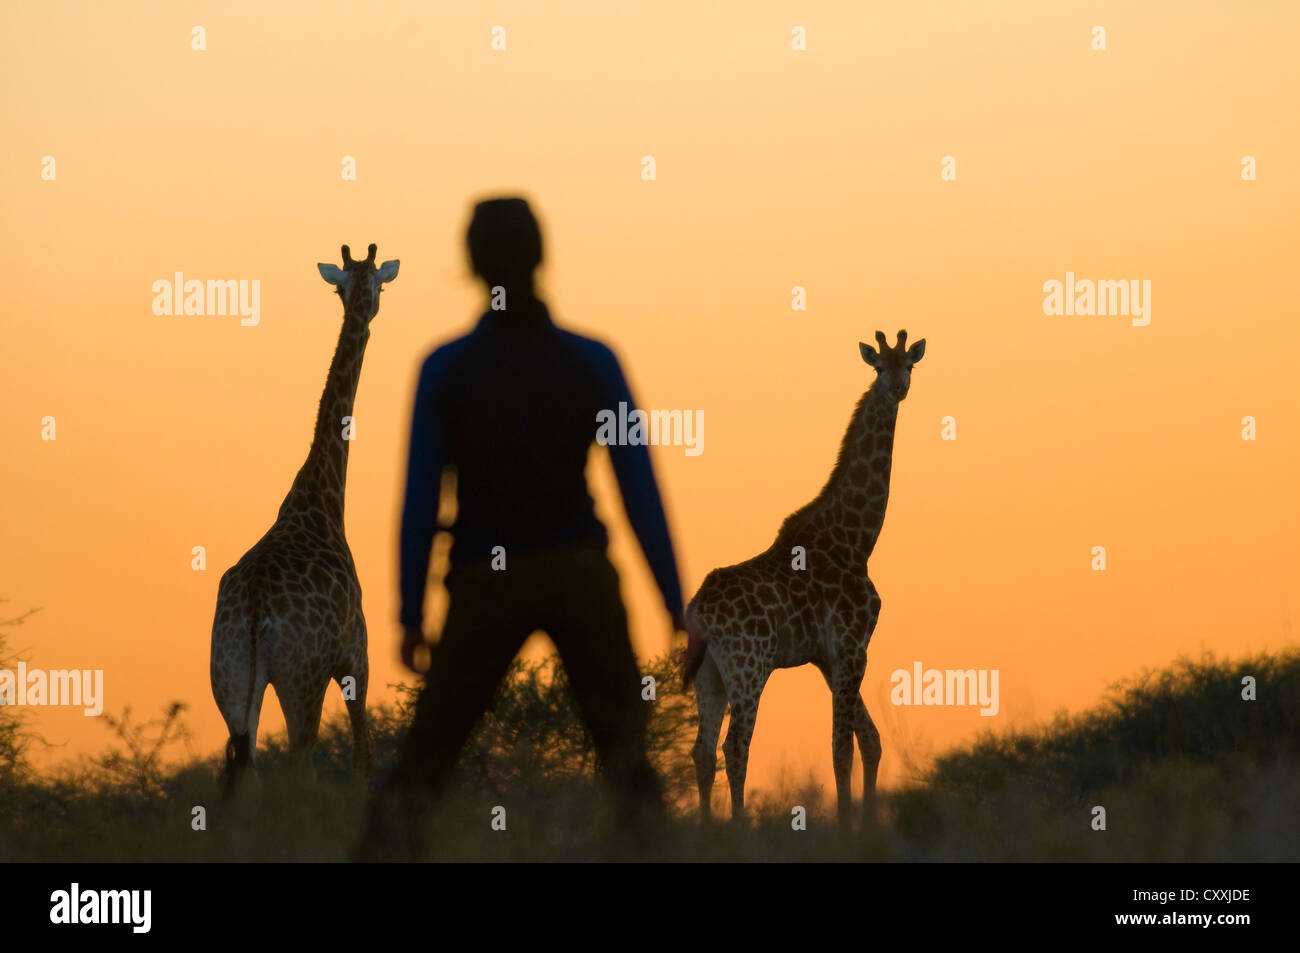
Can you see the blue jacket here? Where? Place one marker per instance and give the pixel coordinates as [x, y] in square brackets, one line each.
[512, 407]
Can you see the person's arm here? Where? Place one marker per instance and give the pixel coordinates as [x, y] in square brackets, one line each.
[423, 483]
[636, 483]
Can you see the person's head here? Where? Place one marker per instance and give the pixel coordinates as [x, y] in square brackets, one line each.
[505, 243]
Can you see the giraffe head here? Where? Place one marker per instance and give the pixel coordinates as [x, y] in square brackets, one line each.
[359, 282]
[893, 364]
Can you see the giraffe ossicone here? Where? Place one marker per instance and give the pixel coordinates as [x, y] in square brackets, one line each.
[773, 611]
[289, 612]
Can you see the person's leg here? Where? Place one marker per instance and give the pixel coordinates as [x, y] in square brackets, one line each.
[483, 633]
[588, 624]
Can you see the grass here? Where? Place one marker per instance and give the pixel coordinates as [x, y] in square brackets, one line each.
[1183, 766]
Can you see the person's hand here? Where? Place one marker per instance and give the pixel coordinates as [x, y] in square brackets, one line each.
[412, 642]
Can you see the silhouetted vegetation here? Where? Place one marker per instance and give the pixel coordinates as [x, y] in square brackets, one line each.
[137, 767]
[1182, 763]
[14, 739]
[1184, 767]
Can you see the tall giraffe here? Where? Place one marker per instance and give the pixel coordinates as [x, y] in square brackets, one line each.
[289, 612]
[805, 599]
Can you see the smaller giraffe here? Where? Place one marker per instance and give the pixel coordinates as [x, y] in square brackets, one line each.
[806, 599]
[289, 612]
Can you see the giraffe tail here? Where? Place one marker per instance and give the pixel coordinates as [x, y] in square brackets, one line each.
[697, 645]
[239, 748]
[239, 755]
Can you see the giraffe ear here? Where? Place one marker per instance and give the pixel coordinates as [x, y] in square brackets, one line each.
[332, 273]
[869, 354]
[388, 270]
[916, 351]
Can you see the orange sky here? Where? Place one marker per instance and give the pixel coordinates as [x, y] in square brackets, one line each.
[775, 168]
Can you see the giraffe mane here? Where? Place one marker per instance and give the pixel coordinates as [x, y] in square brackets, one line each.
[792, 523]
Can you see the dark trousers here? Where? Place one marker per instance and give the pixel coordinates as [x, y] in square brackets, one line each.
[571, 594]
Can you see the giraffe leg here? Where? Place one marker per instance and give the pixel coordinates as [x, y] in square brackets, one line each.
[844, 678]
[362, 749]
[744, 711]
[355, 699]
[863, 726]
[843, 713]
[869, 747]
[711, 702]
[302, 719]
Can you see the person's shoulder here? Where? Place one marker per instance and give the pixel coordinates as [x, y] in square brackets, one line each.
[444, 355]
[596, 352]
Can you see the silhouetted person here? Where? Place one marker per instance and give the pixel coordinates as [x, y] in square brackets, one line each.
[512, 406]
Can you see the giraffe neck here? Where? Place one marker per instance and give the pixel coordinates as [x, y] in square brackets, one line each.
[319, 485]
[854, 497]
